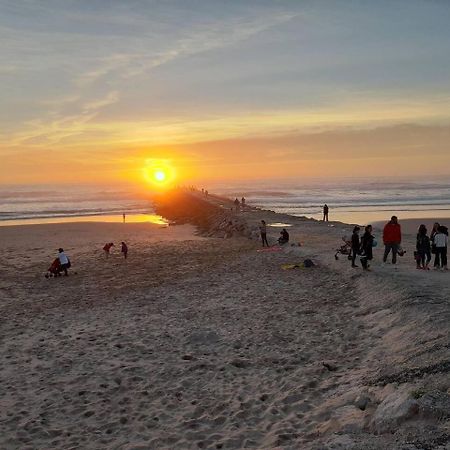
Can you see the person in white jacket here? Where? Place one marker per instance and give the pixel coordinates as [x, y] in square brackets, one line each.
[441, 243]
[64, 261]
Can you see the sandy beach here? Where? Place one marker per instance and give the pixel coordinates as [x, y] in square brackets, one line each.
[196, 342]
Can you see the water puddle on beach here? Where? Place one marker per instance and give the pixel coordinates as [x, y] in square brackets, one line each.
[129, 218]
[279, 225]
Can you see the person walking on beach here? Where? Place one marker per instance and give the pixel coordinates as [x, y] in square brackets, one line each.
[263, 231]
[325, 212]
[123, 217]
[107, 248]
[423, 251]
[367, 243]
[236, 204]
[392, 237]
[356, 245]
[441, 243]
[64, 261]
[243, 203]
[124, 250]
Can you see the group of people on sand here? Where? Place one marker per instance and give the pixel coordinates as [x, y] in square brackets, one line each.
[59, 265]
[436, 244]
[123, 249]
[283, 239]
[239, 205]
[62, 263]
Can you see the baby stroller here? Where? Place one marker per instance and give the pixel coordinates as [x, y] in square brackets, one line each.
[345, 249]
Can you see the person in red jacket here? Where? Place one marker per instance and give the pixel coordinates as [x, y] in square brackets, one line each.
[392, 237]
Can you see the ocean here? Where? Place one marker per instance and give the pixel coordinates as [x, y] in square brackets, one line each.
[350, 200]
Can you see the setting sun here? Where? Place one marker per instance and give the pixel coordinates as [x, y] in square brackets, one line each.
[159, 173]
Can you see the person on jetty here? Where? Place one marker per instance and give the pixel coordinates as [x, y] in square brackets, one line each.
[423, 248]
[236, 204]
[263, 231]
[284, 237]
[124, 249]
[392, 238]
[325, 212]
[64, 261]
[356, 245]
[441, 243]
[367, 243]
[107, 248]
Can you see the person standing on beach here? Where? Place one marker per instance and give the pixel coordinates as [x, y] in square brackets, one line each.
[356, 245]
[367, 242]
[436, 225]
[423, 248]
[124, 250]
[64, 261]
[263, 231]
[243, 203]
[325, 212]
[123, 216]
[392, 237]
[441, 243]
[236, 204]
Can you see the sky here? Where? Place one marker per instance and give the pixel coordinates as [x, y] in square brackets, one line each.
[97, 90]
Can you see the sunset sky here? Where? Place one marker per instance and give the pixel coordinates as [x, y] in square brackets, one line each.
[95, 90]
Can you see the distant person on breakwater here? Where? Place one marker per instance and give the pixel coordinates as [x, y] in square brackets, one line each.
[284, 237]
[441, 243]
[107, 248]
[64, 261]
[423, 248]
[392, 238]
[124, 250]
[236, 204]
[367, 243]
[325, 212]
[263, 231]
[356, 245]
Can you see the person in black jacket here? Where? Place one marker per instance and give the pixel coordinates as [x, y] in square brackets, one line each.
[423, 248]
[366, 247]
[356, 244]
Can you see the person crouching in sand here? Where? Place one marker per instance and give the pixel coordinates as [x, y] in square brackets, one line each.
[124, 250]
[423, 248]
[263, 231]
[367, 243]
[64, 261]
[107, 248]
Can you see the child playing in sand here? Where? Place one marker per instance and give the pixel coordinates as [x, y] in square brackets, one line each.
[263, 231]
[124, 250]
[54, 270]
[423, 248]
[107, 248]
